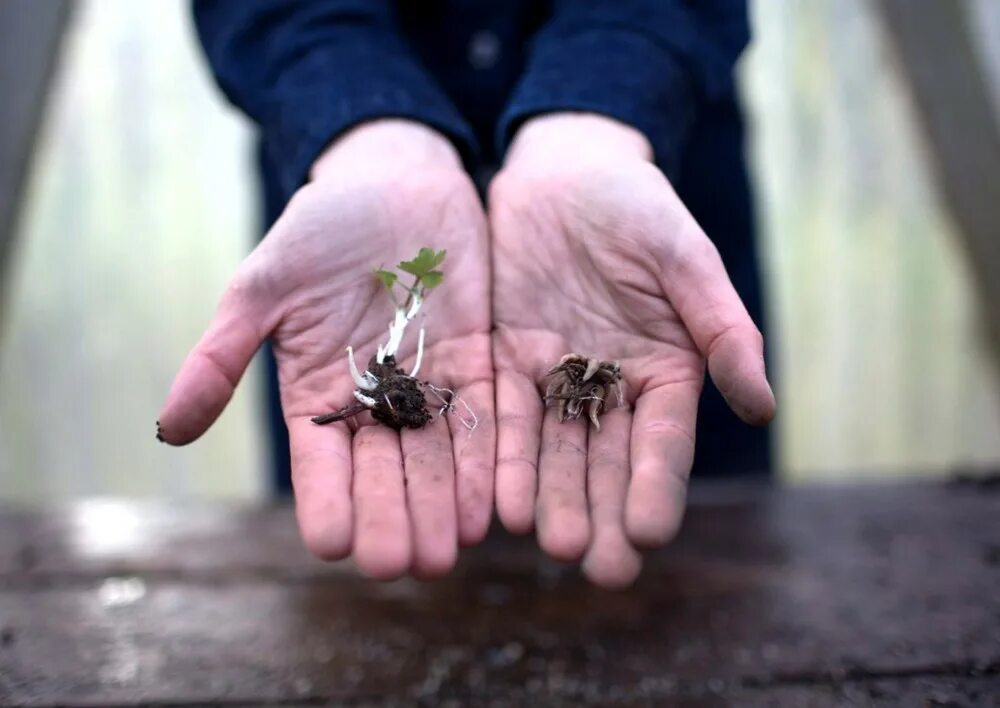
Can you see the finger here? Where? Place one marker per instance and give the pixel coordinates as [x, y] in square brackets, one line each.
[611, 561]
[209, 374]
[321, 478]
[430, 494]
[563, 521]
[381, 522]
[519, 426]
[736, 364]
[700, 289]
[474, 440]
[662, 450]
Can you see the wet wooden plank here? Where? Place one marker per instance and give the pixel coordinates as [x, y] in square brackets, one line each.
[122, 641]
[868, 596]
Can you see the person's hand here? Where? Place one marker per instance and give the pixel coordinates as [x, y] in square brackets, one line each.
[399, 501]
[593, 253]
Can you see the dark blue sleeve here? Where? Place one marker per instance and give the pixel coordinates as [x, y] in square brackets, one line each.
[305, 71]
[647, 63]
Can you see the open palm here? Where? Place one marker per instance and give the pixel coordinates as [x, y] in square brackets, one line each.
[603, 260]
[398, 500]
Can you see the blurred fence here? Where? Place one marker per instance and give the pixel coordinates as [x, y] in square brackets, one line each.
[141, 205]
[882, 355]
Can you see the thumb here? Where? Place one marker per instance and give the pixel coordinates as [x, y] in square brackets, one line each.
[696, 283]
[210, 373]
[736, 365]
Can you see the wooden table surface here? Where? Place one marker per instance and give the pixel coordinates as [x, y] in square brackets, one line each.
[885, 595]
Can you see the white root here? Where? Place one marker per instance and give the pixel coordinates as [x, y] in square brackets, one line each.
[366, 381]
[367, 401]
[420, 354]
[470, 423]
[473, 421]
[446, 404]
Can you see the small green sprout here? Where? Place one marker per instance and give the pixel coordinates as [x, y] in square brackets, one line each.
[394, 397]
[423, 268]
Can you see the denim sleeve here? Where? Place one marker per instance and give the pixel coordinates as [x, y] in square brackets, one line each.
[647, 63]
[305, 72]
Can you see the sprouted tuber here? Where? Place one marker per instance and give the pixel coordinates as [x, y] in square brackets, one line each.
[394, 397]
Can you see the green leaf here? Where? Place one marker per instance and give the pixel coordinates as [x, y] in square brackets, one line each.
[439, 257]
[424, 262]
[418, 266]
[386, 277]
[432, 279]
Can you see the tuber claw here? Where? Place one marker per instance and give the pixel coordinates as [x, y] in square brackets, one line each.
[594, 410]
[577, 380]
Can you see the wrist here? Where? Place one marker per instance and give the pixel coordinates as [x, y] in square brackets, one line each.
[579, 137]
[386, 145]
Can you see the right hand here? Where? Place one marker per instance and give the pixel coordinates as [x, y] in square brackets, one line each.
[594, 253]
[399, 501]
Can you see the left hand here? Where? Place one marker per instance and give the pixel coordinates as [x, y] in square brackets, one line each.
[397, 501]
[594, 253]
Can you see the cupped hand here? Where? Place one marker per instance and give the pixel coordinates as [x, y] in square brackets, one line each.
[593, 253]
[400, 501]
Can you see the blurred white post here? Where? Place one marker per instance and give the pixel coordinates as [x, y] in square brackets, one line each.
[945, 76]
[30, 34]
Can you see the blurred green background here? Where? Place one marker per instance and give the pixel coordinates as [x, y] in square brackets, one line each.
[141, 203]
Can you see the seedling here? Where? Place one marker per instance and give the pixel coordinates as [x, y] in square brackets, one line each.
[395, 398]
[579, 382]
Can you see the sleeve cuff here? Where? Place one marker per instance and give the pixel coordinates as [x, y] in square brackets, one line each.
[334, 89]
[613, 72]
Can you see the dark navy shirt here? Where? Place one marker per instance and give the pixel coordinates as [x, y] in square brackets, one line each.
[307, 70]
